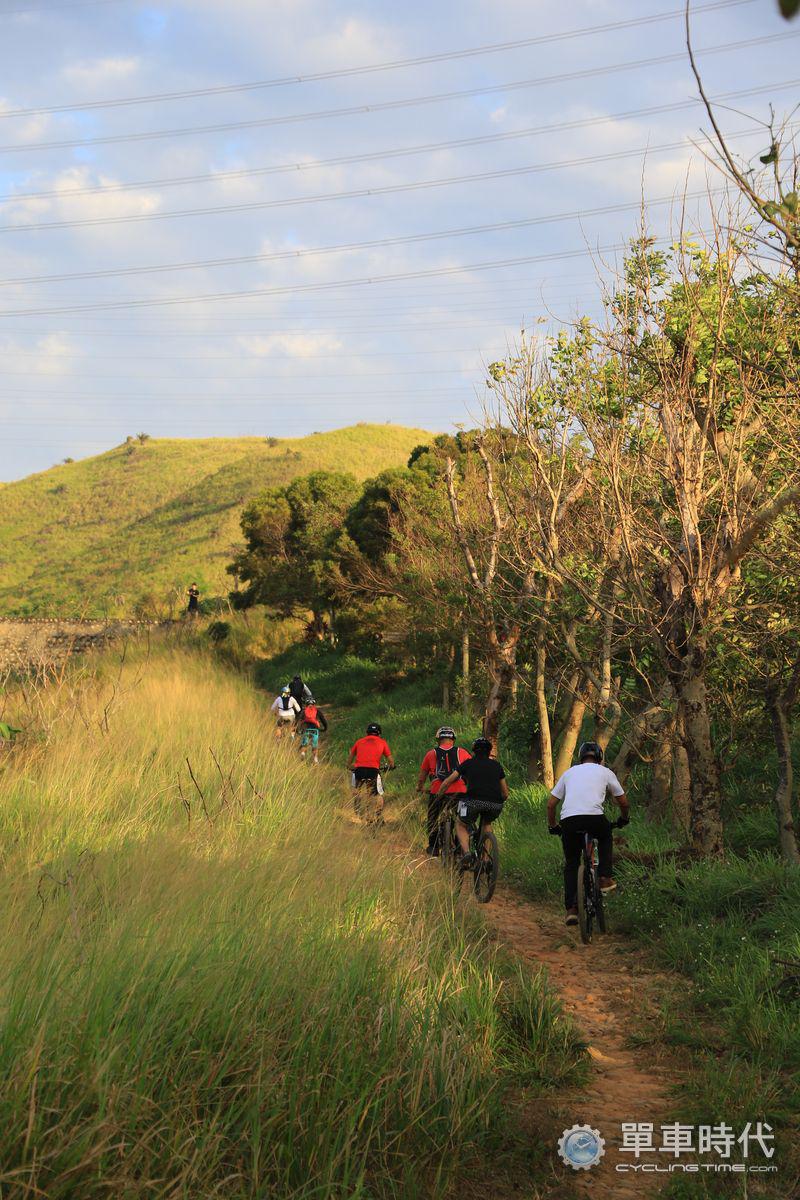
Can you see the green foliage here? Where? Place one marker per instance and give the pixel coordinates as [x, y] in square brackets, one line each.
[8, 732]
[789, 8]
[149, 523]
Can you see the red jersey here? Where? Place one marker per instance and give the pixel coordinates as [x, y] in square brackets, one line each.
[429, 767]
[369, 750]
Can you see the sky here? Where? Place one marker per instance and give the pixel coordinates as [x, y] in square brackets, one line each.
[336, 243]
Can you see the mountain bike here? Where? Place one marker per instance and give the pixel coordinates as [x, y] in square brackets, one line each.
[483, 847]
[368, 801]
[591, 909]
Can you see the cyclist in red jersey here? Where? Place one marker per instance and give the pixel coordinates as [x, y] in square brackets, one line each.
[436, 766]
[366, 757]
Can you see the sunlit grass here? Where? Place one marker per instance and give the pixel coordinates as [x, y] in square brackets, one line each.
[211, 984]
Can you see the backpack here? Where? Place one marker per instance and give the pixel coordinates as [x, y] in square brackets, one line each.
[446, 762]
[286, 701]
[310, 715]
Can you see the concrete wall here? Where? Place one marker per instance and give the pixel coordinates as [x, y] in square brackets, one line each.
[29, 643]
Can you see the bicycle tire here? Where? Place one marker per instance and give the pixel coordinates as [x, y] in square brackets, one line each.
[485, 875]
[584, 908]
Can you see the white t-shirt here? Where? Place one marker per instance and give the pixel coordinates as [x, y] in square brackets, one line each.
[285, 714]
[583, 789]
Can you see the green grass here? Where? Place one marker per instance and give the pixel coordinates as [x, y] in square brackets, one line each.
[220, 987]
[96, 536]
[717, 926]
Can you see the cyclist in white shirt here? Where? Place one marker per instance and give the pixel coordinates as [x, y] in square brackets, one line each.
[582, 791]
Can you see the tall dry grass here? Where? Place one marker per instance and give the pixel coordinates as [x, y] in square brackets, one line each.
[210, 985]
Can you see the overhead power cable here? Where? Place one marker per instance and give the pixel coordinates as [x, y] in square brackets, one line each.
[113, 189]
[303, 288]
[228, 89]
[390, 105]
[389, 189]
[349, 247]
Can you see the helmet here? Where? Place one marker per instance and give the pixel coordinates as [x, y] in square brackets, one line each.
[482, 745]
[286, 691]
[310, 700]
[444, 731]
[590, 750]
[373, 728]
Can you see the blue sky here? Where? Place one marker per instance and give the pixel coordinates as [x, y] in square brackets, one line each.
[305, 352]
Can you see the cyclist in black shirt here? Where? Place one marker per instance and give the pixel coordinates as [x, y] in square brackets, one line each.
[487, 790]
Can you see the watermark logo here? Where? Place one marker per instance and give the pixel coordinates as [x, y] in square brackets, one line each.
[581, 1147]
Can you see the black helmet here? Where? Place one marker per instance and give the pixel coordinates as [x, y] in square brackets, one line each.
[373, 728]
[590, 750]
[482, 746]
[444, 731]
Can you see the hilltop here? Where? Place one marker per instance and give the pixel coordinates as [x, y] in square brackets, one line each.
[137, 524]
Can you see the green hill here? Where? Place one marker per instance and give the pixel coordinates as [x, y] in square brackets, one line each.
[144, 520]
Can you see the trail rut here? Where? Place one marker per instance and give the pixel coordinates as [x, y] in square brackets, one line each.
[608, 990]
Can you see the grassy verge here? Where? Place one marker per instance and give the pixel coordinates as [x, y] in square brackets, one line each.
[720, 926]
[210, 987]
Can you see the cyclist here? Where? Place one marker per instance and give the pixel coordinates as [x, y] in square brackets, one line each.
[286, 710]
[300, 691]
[366, 757]
[436, 766]
[312, 720]
[487, 792]
[582, 791]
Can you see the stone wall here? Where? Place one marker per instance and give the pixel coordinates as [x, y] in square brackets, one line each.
[30, 643]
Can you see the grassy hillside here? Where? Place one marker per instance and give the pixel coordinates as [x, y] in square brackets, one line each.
[96, 536]
[213, 984]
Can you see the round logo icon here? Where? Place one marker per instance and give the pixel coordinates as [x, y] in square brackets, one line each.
[581, 1147]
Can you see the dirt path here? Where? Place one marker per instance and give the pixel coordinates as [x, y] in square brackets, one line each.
[608, 990]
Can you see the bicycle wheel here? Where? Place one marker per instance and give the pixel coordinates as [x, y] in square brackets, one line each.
[450, 850]
[487, 868]
[585, 913]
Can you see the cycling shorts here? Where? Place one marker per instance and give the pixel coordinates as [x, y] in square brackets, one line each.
[284, 716]
[469, 809]
[369, 777]
[310, 738]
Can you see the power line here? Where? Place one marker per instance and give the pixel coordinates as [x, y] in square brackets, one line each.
[303, 288]
[114, 189]
[361, 193]
[349, 72]
[389, 105]
[256, 378]
[19, 12]
[349, 247]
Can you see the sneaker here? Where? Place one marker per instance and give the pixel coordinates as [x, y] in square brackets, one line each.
[572, 916]
[467, 861]
[607, 885]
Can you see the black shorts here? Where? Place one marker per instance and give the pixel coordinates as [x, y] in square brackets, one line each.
[369, 777]
[488, 809]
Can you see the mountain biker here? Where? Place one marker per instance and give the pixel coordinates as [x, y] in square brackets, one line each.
[193, 607]
[286, 710]
[436, 766]
[582, 790]
[487, 791]
[300, 692]
[312, 720]
[366, 756]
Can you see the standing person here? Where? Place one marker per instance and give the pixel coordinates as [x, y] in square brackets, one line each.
[286, 710]
[366, 757]
[193, 608]
[436, 766]
[312, 720]
[299, 691]
[487, 792]
[582, 791]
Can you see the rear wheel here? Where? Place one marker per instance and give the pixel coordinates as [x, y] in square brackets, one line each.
[584, 902]
[450, 850]
[599, 909]
[487, 868]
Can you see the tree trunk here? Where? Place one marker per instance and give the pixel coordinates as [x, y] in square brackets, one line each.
[545, 739]
[660, 778]
[706, 793]
[569, 739]
[534, 772]
[465, 693]
[503, 672]
[681, 804]
[782, 799]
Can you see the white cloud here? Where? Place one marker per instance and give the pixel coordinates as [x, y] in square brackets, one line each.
[97, 73]
[295, 345]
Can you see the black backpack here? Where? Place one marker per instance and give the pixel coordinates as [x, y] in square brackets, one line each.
[446, 762]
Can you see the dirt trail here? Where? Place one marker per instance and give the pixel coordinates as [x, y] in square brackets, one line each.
[608, 990]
